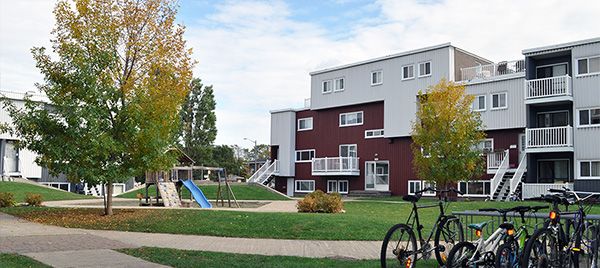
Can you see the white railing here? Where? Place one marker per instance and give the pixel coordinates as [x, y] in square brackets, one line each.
[549, 137]
[499, 174]
[516, 179]
[259, 172]
[335, 165]
[531, 190]
[492, 70]
[495, 159]
[548, 87]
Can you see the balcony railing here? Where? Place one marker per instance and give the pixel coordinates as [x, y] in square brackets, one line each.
[548, 87]
[549, 137]
[492, 70]
[531, 190]
[335, 166]
[494, 159]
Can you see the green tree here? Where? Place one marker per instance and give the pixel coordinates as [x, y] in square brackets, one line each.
[198, 128]
[225, 156]
[444, 134]
[121, 73]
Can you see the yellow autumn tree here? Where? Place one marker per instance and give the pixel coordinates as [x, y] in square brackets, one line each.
[120, 73]
[444, 135]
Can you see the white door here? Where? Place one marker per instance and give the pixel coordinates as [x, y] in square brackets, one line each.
[522, 144]
[11, 158]
[377, 175]
[290, 187]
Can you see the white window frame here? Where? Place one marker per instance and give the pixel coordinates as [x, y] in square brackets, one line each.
[354, 124]
[492, 101]
[50, 184]
[422, 185]
[413, 73]
[335, 84]
[590, 177]
[577, 74]
[297, 182]
[373, 131]
[483, 148]
[337, 184]
[474, 181]
[417, 182]
[329, 89]
[579, 125]
[419, 69]
[314, 153]
[380, 72]
[303, 119]
[479, 109]
[347, 145]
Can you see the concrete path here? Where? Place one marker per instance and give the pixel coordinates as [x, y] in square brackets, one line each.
[17, 235]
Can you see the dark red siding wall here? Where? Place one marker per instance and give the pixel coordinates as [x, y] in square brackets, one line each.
[326, 137]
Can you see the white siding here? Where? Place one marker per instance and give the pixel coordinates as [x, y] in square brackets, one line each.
[28, 167]
[283, 134]
[514, 115]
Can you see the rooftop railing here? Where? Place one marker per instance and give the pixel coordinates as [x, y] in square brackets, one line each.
[482, 72]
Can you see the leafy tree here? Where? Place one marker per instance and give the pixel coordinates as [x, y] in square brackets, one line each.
[198, 130]
[444, 134]
[121, 74]
[224, 156]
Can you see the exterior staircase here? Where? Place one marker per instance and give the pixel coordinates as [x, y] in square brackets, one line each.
[264, 174]
[508, 182]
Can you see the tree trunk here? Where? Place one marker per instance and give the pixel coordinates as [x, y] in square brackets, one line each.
[108, 206]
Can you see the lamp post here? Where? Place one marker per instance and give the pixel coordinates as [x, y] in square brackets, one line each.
[253, 153]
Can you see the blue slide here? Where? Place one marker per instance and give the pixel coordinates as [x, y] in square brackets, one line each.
[197, 193]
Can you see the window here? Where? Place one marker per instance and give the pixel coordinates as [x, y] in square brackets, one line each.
[305, 155]
[499, 101]
[553, 119]
[348, 150]
[589, 169]
[408, 72]
[589, 117]
[351, 119]
[326, 86]
[589, 65]
[474, 188]
[427, 184]
[60, 185]
[553, 170]
[376, 78]
[305, 186]
[374, 133]
[424, 69]
[414, 186]
[337, 186]
[486, 146]
[479, 103]
[305, 124]
[338, 84]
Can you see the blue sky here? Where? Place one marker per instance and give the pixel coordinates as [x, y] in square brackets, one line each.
[257, 54]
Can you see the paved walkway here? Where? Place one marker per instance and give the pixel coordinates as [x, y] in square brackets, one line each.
[21, 236]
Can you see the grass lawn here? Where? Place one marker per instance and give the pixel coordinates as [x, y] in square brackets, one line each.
[362, 221]
[19, 189]
[187, 258]
[8, 260]
[241, 192]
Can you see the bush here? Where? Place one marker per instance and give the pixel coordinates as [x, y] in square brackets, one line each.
[33, 199]
[320, 202]
[7, 200]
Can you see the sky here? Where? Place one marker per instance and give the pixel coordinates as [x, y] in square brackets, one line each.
[258, 54]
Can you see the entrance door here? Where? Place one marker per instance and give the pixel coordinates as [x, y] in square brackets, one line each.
[522, 144]
[11, 157]
[290, 187]
[377, 175]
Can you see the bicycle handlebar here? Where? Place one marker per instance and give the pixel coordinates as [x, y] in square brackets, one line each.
[430, 189]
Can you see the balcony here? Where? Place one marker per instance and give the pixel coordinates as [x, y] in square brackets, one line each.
[549, 89]
[335, 166]
[483, 72]
[549, 139]
[494, 160]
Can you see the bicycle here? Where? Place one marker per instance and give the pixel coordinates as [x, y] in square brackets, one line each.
[483, 252]
[400, 247]
[551, 246]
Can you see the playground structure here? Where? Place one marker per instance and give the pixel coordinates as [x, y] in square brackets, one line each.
[169, 184]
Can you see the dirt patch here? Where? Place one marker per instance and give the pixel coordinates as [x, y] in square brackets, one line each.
[80, 218]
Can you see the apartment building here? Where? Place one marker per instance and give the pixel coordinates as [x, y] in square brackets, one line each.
[541, 115]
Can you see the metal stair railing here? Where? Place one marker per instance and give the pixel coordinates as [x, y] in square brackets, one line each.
[259, 172]
[499, 175]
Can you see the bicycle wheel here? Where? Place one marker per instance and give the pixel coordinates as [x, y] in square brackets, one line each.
[460, 255]
[448, 234]
[542, 250]
[590, 247]
[399, 248]
[507, 255]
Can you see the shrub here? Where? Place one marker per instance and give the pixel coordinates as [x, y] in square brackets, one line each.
[320, 202]
[7, 200]
[33, 199]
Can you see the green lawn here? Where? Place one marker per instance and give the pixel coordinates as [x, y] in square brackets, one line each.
[187, 258]
[241, 192]
[19, 189]
[362, 221]
[8, 260]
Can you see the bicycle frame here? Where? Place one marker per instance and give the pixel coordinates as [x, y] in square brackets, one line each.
[487, 245]
[414, 216]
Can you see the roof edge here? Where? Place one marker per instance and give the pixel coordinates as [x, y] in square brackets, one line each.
[561, 46]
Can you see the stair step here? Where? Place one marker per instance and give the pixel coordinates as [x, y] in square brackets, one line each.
[360, 193]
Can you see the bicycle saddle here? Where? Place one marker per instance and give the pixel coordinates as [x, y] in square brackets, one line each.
[478, 226]
[411, 198]
[507, 226]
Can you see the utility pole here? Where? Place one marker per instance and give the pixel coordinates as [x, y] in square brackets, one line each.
[254, 153]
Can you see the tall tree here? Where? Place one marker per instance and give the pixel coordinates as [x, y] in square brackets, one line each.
[444, 134]
[121, 74]
[225, 156]
[198, 119]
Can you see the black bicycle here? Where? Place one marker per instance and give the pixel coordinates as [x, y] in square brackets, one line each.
[400, 249]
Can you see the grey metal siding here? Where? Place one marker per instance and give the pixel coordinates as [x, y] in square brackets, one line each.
[511, 117]
[283, 134]
[464, 60]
